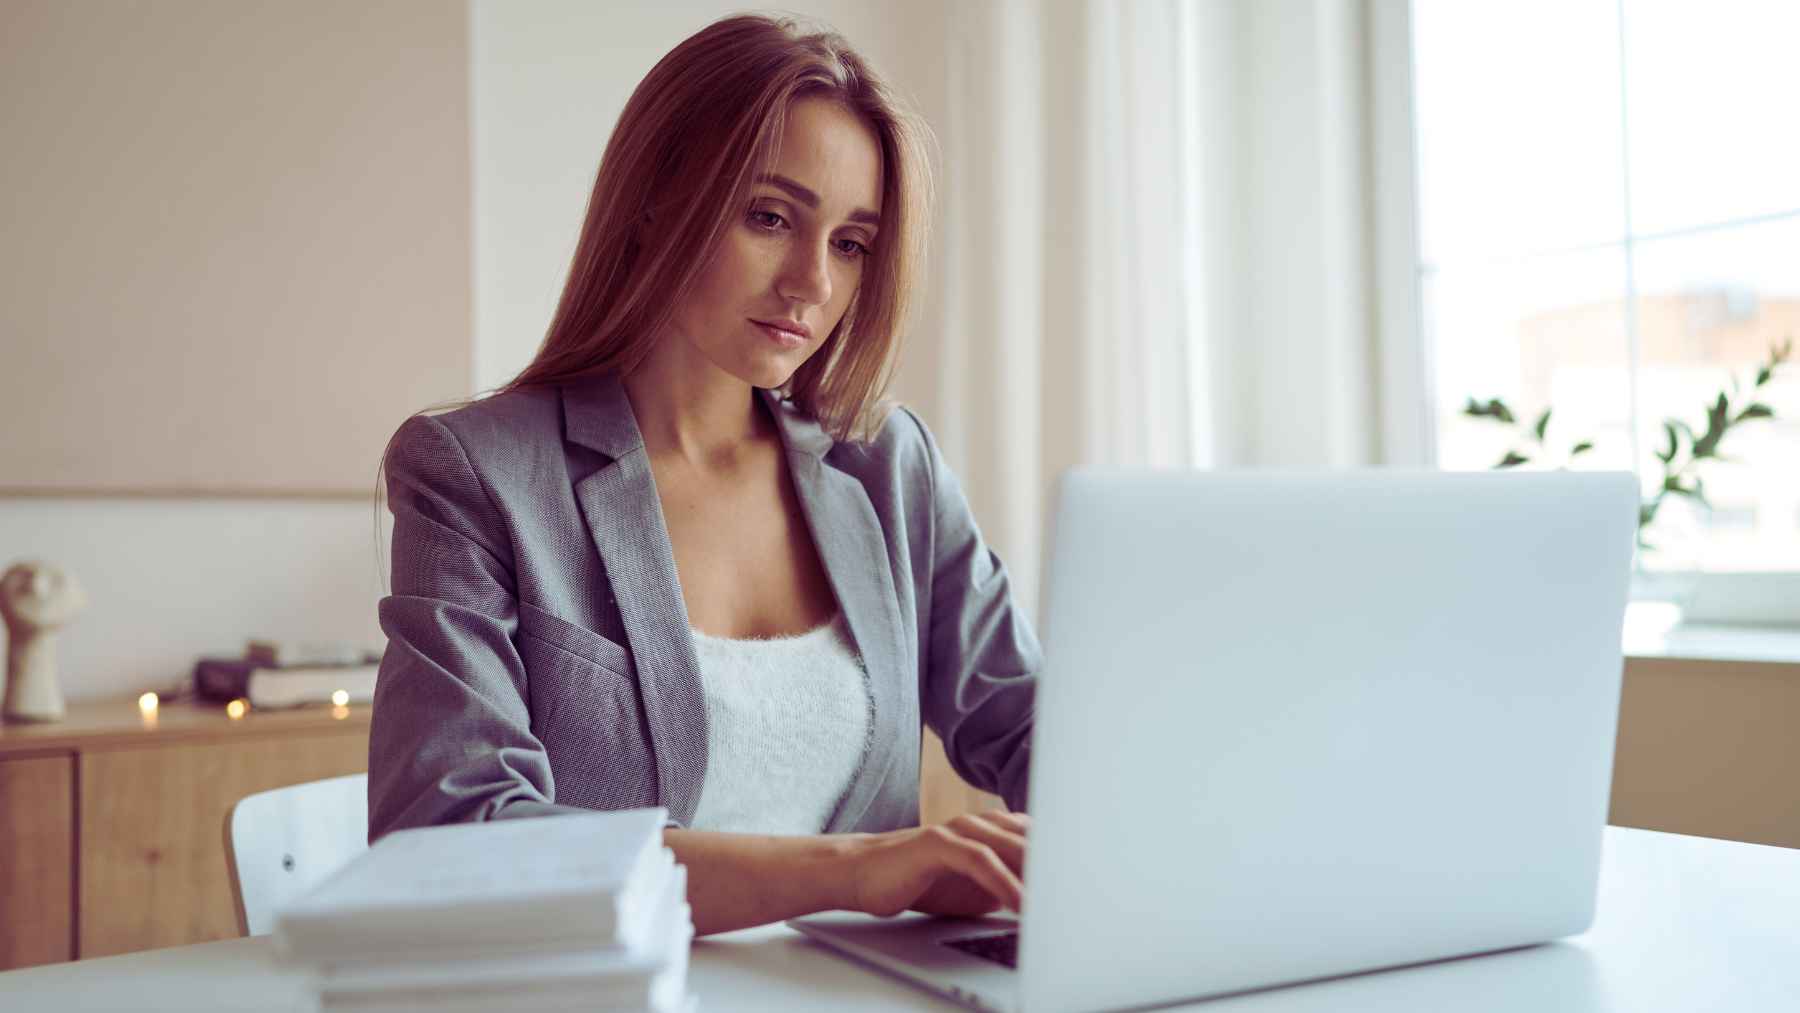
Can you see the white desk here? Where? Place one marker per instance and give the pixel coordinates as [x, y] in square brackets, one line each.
[1685, 923]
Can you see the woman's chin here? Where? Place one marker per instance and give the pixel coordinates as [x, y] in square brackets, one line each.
[770, 371]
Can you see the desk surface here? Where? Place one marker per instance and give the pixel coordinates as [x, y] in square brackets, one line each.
[1685, 923]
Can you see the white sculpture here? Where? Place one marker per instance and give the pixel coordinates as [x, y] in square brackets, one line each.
[37, 599]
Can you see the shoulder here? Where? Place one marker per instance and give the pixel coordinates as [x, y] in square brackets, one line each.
[902, 447]
[902, 470]
[489, 455]
[498, 425]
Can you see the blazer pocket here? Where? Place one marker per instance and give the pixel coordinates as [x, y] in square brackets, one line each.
[587, 713]
[540, 625]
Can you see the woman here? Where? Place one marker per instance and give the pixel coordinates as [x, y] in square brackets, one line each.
[638, 575]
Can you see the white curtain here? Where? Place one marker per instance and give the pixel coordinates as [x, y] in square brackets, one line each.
[1154, 244]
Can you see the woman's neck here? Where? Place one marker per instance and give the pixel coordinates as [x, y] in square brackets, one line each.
[690, 410]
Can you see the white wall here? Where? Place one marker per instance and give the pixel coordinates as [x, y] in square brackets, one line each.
[168, 579]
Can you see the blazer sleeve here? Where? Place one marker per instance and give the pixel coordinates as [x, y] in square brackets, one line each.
[450, 736]
[982, 658]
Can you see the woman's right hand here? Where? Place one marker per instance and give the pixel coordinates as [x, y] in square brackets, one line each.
[973, 865]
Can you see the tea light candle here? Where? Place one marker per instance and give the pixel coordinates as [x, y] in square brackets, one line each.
[147, 705]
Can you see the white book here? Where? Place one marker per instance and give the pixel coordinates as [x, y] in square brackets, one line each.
[609, 977]
[269, 688]
[282, 653]
[556, 882]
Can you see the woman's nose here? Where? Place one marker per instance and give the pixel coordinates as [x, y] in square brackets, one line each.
[806, 276]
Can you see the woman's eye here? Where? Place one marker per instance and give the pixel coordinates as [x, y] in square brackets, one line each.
[852, 248]
[767, 219]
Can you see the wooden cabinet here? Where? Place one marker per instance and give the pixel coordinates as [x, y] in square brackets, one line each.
[37, 860]
[112, 826]
[1708, 747]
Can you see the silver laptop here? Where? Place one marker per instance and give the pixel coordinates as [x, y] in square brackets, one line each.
[1298, 726]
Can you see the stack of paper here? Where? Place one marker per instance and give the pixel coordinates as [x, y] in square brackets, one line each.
[558, 913]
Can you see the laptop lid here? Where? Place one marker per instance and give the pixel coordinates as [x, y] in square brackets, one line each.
[1294, 726]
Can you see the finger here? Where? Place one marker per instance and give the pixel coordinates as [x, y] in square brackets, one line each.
[1008, 845]
[1018, 823]
[978, 862]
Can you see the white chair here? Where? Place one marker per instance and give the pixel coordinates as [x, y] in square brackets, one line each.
[279, 843]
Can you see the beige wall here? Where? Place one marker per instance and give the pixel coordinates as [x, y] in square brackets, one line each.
[237, 255]
[238, 247]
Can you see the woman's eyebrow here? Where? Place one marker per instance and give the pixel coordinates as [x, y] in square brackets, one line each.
[811, 200]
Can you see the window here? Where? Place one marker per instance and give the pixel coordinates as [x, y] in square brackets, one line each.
[1608, 227]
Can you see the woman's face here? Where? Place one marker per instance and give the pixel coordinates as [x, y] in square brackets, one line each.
[790, 261]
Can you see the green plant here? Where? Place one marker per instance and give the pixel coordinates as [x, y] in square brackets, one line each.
[1680, 454]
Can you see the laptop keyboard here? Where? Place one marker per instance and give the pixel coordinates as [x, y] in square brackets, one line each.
[999, 947]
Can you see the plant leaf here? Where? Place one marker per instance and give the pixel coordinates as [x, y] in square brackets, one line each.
[1512, 459]
[1756, 411]
[1666, 456]
[1543, 423]
[1716, 421]
[1763, 374]
[1494, 409]
[1693, 492]
[1581, 448]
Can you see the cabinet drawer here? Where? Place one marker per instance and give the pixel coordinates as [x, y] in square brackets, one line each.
[153, 831]
[37, 860]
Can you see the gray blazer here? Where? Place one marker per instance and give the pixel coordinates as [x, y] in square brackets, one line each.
[539, 658]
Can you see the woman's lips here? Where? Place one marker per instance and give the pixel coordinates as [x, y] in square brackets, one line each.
[784, 338]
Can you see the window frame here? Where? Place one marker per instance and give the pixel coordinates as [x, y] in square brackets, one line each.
[1405, 353]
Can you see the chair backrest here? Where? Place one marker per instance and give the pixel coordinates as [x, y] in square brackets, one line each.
[279, 843]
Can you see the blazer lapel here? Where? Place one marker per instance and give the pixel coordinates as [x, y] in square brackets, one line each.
[624, 516]
[854, 552]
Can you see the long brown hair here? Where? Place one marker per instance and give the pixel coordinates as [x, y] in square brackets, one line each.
[701, 127]
[695, 135]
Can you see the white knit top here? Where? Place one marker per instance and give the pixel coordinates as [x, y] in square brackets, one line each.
[787, 725]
